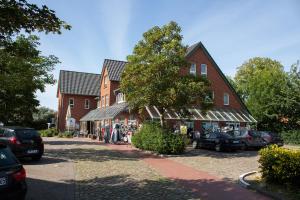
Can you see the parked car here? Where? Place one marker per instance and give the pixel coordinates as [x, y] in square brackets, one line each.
[24, 142]
[12, 176]
[217, 140]
[249, 138]
[271, 137]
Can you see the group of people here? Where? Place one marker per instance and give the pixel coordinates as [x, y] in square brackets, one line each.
[119, 133]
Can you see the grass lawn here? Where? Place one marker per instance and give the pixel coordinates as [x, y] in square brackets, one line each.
[281, 191]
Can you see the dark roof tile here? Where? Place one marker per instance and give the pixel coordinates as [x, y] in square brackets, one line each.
[114, 69]
[79, 83]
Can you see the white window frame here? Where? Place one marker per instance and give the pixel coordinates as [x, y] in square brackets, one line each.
[193, 69]
[102, 101]
[73, 104]
[106, 100]
[86, 104]
[120, 97]
[224, 96]
[105, 81]
[204, 73]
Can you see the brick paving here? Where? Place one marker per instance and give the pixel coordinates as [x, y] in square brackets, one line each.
[75, 169]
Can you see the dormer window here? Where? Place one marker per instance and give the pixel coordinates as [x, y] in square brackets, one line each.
[204, 69]
[120, 98]
[193, 69]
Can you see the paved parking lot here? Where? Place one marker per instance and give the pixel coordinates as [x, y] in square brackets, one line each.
[227, 165]
[78, 169]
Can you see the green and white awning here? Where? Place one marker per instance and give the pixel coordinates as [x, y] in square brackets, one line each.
[222, 115]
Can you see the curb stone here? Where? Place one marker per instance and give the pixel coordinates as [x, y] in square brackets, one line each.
[247, 185]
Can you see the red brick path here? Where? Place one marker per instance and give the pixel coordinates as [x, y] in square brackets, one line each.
[206, 185]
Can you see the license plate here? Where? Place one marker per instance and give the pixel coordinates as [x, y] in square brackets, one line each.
[32, 151]
[235, 142]
[3, 181]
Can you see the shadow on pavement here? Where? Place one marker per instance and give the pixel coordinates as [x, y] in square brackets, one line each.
[124, 187]
[45, 160]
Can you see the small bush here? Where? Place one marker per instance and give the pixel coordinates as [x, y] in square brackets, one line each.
[153, 138]
[291, 137]
[48, 132]
[280, 165]
[65, 134]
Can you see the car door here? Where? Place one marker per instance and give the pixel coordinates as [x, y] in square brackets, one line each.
[211, 140]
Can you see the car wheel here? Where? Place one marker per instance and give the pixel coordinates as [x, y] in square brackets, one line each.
[36, 158]
[195, 144]
[218, 147]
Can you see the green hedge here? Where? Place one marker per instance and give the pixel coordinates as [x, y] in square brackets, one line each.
[280, 165]
[65, 134]
[291, 137]
[153, 138]
[48, 132]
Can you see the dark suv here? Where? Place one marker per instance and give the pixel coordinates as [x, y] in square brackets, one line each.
[24, 142]
[12, 176]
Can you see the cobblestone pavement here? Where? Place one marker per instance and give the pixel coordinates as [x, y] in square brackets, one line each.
[80, 169]
[227, 165]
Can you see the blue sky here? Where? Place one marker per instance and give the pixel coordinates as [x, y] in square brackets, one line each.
[232, 31]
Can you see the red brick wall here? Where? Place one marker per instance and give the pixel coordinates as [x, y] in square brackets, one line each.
[109, 89]
[218, 85]
[77, 112]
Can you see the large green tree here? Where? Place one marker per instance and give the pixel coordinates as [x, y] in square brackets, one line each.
[23, 68]
[269, 92]
[19, 15]
[152, 75]
[23, 72]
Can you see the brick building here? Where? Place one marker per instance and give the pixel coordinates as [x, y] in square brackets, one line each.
[228, 110]
[79, 90]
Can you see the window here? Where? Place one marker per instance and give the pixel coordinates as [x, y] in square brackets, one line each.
[203, 69]
[102, 102]
[105, 81]
[120, 98]
[212, 95]
[98, 103]
[87, 104]
[71, 102]
[106, 100]
[193, 69]
[226, 99]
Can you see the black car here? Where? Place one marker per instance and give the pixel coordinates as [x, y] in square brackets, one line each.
[24, 142]
[217, 140]
[271, 137]
[12, 176]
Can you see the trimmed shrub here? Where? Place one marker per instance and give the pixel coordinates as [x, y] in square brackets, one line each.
[280, 165]
[152, 137]
[291, 137]
[65, 134]
[48, 132]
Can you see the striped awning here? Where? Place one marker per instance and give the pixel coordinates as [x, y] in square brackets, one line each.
[223, 115]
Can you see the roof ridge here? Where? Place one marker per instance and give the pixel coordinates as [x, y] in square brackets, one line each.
[115, 60]
[78, 72]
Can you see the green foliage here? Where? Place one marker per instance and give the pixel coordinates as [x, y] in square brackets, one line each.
[291, 137]
[280, 165]
[48, 132]
[154, 138]
[23, 72]
[65, 134]
[271, 94]
[17, 15]
[152, 75]
[41, 117]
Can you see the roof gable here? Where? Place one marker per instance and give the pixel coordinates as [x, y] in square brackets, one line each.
[192, 49]
[79, 83]
[114, 69]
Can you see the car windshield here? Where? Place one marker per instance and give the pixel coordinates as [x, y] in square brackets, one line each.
[26, 133]
[6, 157]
